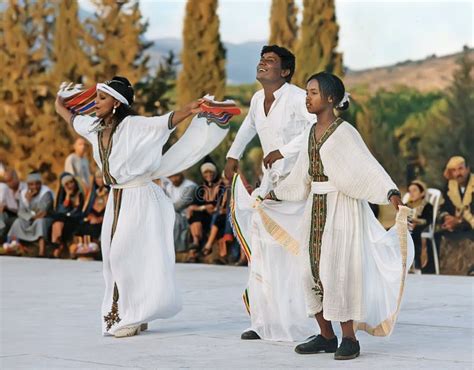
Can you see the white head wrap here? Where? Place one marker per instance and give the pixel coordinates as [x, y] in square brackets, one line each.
[33, 177]
[208, 167]
[112, 92]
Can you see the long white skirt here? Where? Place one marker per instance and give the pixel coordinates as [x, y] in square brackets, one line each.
[140, 260]
[276, 299]
[362, 266]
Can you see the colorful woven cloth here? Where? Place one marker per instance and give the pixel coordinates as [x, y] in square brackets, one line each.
[77, 99]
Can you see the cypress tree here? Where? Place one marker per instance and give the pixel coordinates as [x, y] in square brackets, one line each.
[115, 35]
[203, 54]
[315, 50]
[283, 24]
[70, 61]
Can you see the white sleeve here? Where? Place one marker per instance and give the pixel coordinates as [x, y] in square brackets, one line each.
[293, 147]
[297, 185]
[352, 169]
[83, 125]
[305, 120]
[246, 132]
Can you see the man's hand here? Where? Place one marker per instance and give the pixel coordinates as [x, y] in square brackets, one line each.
[271, 158]
[450, 223]
[231, 167]
[396, 201]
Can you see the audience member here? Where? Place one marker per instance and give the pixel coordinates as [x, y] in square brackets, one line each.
[67, 212]
[421, 217]
[181, 192]
[34, 215]
[10, 190]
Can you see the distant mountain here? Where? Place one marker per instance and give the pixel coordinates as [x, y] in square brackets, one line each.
[241, 58]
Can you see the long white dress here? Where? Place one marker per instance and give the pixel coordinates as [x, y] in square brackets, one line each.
[137, 232]
[352, 268]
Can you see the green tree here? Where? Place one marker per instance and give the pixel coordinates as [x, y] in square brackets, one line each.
[203, 54]
[445, 129]
[317, 42]
[283, 23]
[115, 37]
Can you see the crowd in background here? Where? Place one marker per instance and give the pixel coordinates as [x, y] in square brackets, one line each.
[34, 221]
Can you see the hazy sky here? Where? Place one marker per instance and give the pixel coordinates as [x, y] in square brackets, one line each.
[372, 33]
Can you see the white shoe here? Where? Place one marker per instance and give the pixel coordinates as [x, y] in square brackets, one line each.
[127, 331]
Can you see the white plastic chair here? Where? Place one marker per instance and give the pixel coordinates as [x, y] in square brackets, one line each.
[433, 196]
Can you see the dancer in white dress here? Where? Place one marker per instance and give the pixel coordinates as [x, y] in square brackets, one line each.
[353, 270]
[137, 233]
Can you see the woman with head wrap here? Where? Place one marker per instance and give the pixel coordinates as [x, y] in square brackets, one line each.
[34, 214]
[137, 231]
[67, 212]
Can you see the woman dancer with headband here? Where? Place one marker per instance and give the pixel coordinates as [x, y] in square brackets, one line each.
[137, 232]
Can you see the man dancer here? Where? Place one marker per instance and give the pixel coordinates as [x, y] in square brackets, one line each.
[279, 116]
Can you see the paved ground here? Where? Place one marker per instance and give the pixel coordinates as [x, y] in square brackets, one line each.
[50, 320]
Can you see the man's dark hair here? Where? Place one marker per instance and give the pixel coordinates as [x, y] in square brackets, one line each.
[287, 58]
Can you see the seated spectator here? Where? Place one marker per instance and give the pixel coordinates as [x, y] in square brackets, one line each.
[67, 213]
[421, 217]
[219, 221]
[94, 209]
[204, 205]
[78, 165]
[456, 213]
[34, 215]
[181, 192]
[10, 190]
[455, 241]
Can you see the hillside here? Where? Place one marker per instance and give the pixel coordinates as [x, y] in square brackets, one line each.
[432, 73]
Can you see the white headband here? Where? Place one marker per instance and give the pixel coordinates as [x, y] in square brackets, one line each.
[344, 99]
[112, 92]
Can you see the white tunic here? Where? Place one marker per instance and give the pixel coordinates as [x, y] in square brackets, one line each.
[280, 129]
[362, 267]
[139, 259]
[275, 296]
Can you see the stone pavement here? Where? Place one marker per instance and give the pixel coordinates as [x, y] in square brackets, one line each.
[50, 319]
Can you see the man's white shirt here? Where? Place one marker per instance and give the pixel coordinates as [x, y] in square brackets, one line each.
[281, 129]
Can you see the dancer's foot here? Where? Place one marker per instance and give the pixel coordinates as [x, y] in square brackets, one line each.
[249, 335]
[144, 326]
[317, 344]
[348, 349]
[127, 331]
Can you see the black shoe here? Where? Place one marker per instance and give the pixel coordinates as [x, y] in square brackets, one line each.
[317, 344]
[249, 335]
[348, 349]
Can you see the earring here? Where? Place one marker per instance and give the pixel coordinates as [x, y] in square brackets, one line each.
[113, 110]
